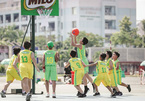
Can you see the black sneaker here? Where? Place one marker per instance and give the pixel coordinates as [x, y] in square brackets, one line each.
[114, 90]
[28, 96]
[96, 94]
[129, 88]
[119, 93]
[3, 94]
[113, 96]
[78, 93]
[23, 93]
[82, 95]
[86, 91]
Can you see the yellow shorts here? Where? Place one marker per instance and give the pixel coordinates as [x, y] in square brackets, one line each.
[78, 76]
[113, 77]
[12, 74]
[26, 71]
[104, 78]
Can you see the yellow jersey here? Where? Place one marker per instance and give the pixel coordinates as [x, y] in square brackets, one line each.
[25, 57]
[76, 64]
[12, 61]
[101, 67]
[108, 65]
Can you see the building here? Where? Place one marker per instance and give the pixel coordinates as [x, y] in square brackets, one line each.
[96, 16]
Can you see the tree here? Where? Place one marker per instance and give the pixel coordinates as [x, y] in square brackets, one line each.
[126, 36]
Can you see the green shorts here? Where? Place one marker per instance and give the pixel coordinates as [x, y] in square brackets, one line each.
[86, 69]
[51, 73]
[119, 73]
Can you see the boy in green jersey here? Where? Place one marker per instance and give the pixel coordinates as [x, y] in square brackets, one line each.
[50, 57]
[115, 57]
[82, 55]
[78, 67]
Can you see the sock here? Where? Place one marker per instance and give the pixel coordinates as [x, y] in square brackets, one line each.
[85, 87]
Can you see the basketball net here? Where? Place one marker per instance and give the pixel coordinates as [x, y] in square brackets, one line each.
[44, 15]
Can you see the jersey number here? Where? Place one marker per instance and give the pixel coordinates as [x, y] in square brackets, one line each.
[49, 60]
[104, 70]
[78, 65]
[24, 59]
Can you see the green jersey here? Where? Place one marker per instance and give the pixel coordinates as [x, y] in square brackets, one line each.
[115, 62]
[50, 57]
[81, 52]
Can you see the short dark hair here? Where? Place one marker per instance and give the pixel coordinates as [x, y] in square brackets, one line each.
[27, 44]
[73, 53]
[16, 50]
[103, 56]
[118, 55]
[85, 41]
[109, 53]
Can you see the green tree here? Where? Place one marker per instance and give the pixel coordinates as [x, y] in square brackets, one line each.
[126, 36]
[143, 34]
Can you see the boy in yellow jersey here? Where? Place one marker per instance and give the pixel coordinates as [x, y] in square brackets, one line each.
[50, 57]
[82, 55]
[102, 76]
[112, 72]
[11, 73]
[26, 57]
[78, 67]
[115, 57]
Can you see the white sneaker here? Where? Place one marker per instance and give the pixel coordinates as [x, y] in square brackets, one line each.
[47, 95]
[53, 95]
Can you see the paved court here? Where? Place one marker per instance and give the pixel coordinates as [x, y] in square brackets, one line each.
[65, 92]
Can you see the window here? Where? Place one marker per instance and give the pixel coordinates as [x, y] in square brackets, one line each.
[8, 18]
[24, 27]
[61, 25]
[16, 17]
[74, 10]
[51, 26]
[107, 38]
[24, 18]
[110, 10]
[110, 24]
[74, 24]
[17, 27]
[1, 19]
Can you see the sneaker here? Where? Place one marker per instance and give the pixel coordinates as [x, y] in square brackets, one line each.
[114, 90]
[82, 95]
[119, 93]
[96, 94]
[78, 93]
[113, 95]
[129, 88]
[53, 95]
[28, 96]
[3, 94]
[23, 93]
[86, 91]
[47, 95]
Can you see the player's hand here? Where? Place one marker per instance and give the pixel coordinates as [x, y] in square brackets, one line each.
[44, 70]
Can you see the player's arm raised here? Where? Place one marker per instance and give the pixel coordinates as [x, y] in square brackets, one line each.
[75, 44]
[34, 61]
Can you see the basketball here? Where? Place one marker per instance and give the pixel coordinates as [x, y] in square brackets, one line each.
[75, 31]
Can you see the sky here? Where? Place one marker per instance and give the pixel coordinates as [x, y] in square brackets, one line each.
[140, 11]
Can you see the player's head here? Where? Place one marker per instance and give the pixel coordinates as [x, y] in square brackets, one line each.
[116, 55]
[27, 45]
[108, 54]
[50, 45]
[102, 56]
[84, 41]
[16, 50]
[73, 53]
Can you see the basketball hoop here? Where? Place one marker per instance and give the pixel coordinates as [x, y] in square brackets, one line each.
[44, 14]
